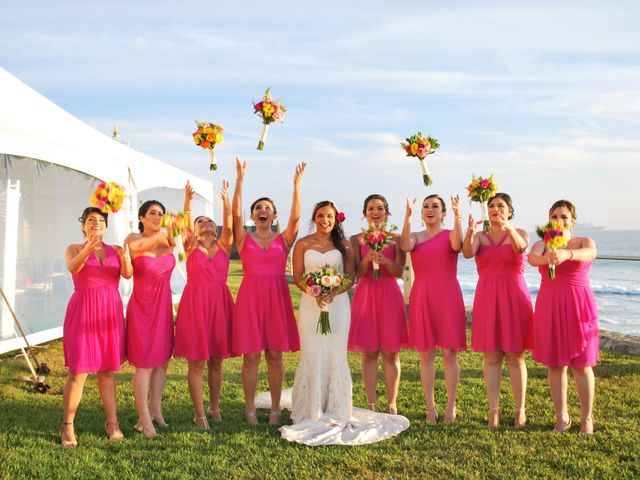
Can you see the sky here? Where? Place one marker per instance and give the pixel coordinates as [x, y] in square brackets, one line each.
[544, 95]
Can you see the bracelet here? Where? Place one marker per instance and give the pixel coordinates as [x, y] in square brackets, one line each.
[571, 257]
[187, 211]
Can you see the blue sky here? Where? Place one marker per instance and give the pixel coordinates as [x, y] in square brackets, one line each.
[545, 95]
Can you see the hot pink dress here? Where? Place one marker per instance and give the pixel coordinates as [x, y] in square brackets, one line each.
[566, 318]
[378, 320]
[436, 307]
[205, 314]
[264, 318]
[502, 312]
[93, 331]
[150, 312]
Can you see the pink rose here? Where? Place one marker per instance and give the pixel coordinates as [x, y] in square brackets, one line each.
[484, 183]
[315, 290]
[257, 106]
[310, 281]
[422, 152]
[278, 115]
[341, 217]
[372, 238]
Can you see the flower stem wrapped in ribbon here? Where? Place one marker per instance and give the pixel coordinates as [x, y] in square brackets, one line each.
[419, 146]
[376, 240]
[321, 281]
[108, 197]
[174, 223]
[270, 111]
[555, 236]
[481, 190]
[207, 136]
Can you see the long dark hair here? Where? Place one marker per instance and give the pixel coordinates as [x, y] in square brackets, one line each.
[337, 234]
[144, 208]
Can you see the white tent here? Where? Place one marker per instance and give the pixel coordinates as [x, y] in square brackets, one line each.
[50, 163]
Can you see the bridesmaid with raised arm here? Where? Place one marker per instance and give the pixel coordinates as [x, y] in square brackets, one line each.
[378, 321]
[205, 314]
[502, 312]
[93, 331]
[436, 308]
[566, 319]
[150, 315]
[264, 318]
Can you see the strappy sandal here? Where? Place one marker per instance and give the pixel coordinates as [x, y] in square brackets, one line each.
[432, 414]
[564, 427]
[147, 432]
[274, 417]
[372, 406]
[214, 414]
[520, 412]
[392, 409]
[67, 435]
[450, 415]
[116, 434]
[252, 418]
[201, 422]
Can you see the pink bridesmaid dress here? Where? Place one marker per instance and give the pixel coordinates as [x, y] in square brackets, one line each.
[378, 321]
[502, 311]
[264, 318]
[205, 314]
[436, 307]
[150, 312]
[93, 331]
[566, 318]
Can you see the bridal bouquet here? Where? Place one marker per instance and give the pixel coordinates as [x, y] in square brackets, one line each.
[174, 223]
[321, 281]
[555, 236]
[108, 197]
[207, 136]
[377, 240]
[270, 111]
[419, 146]
[481, 190]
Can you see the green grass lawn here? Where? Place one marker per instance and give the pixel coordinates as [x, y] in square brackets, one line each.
[29, 425]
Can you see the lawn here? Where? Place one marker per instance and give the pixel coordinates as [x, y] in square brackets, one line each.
[29, 424]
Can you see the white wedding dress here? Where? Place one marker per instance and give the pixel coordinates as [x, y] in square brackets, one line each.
[321, 401]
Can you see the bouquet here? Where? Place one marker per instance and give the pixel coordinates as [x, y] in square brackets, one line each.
[321, 281]
[270, 111]
[174, 223]
[481, 190]
[207, 136]
[419, 146]
[108, 197]
[377, 240]
[555, 236]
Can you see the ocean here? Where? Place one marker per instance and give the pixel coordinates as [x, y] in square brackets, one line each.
[615, 283]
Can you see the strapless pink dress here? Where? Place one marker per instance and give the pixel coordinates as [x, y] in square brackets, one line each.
[93, 331]
[150, 312]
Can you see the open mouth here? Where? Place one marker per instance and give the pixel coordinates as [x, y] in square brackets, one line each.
[262, 217]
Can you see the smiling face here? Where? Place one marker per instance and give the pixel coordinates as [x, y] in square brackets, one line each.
[94, 225]
[376, 212]
[562, 215]
[499, 210]
[325, 219]
[263, 213]
[432, 211]
[205, 225]
[151, 219]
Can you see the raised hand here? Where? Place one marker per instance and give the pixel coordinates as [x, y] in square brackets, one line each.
[224, 190]
[241, 169]
[455, 206]
[123, 253]
[189, 192]
[299, 172]
[411, 204]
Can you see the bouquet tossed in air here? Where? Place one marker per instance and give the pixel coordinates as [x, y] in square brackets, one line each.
[207, 136]
[174, 223]
[377, 240]
[270, 111]
[481, 190]
[321, 281]
[108, 197]
[555, 236]
[419, 146]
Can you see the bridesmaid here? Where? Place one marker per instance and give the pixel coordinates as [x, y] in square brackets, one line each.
[378, 322]
[566, 319]
[264, 318]
[436, 308]
[93, 331]
[502, 312]
[150, 315]
[205, 314]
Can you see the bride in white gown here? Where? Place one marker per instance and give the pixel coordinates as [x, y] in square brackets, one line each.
[321, 402]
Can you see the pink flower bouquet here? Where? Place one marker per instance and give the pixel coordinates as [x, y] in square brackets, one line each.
[108, 197]
[321, 281]
[419, 146]
[481, 190]
[174, 223]
[376, 240]
[269, 111]
[207, 136]
[555, 236]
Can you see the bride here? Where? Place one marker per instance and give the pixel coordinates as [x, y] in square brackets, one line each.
[322, 409]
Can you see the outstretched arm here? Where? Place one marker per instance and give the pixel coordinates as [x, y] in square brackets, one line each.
[236, 209]
[226, 236]
[407, 240]
[189, 192]
[455, 237]
[291, 232]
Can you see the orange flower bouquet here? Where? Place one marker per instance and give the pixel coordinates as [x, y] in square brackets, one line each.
[174, 223]
[481, 190]
[108, 197]
[207, 136]
[419, 146]
[270, 111]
